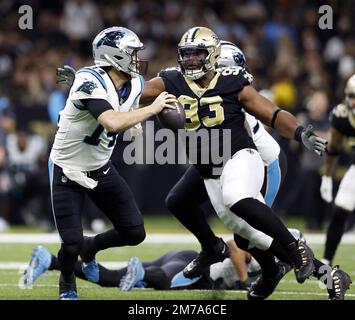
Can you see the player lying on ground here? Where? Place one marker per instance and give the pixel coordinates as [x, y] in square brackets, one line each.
[164, 273]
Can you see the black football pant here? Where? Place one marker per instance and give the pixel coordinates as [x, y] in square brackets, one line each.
[112, 195]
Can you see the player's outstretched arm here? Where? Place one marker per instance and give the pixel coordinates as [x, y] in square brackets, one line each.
[152, 89]
[284, 122]
[119, 121]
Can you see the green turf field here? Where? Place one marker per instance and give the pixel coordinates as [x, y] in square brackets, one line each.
[46, 287]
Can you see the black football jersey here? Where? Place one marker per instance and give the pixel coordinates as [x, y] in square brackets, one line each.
[344, 121]
[212, 113]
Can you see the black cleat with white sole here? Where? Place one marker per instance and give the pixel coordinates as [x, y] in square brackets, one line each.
[200, 265]
[302, 257]
[264, 287]
[341, 282]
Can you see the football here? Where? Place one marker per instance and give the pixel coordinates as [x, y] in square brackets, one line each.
[173, 119]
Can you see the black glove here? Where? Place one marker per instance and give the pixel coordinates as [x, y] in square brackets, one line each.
[66, 75]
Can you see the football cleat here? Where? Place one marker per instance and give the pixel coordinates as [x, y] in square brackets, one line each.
[134, 274]
[264, 287]
[341, 282]
[91, 271]
[39, 264]
[200, 265]
[302, 257]
[68, 295]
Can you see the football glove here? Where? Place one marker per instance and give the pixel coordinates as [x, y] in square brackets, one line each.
[312, 142]
[66, 75]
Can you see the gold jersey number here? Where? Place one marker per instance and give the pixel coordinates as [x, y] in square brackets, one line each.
[193, 122]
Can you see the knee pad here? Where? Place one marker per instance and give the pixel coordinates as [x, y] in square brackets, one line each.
[132, 236]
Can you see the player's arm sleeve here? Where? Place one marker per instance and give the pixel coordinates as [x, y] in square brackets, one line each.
[96, 106]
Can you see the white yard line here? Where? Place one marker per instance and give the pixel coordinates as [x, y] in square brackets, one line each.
[22, 265]
[151, 238]
[279, 293]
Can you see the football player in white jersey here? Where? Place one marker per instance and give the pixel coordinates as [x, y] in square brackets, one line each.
[102, 101]
[270, 152]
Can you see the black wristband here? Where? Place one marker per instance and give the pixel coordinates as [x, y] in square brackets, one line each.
[298, 133]
[274, 116]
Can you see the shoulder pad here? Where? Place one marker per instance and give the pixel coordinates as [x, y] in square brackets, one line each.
[168, 71]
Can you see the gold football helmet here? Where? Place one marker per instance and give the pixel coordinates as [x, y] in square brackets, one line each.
[198, 52]
[350, 93]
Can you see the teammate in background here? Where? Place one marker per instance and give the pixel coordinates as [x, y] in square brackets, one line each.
[273, 157]
[343, 128]
[99, 105]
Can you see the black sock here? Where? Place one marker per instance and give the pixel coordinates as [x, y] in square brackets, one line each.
[280, 253]
[266, 261]
[68, 256]
[335, 232]
[55, 264]
[261, 217]
[196, 222]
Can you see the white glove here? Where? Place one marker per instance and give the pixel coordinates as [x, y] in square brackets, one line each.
[326, 189]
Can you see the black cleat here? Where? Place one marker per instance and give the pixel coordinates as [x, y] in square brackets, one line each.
[263, 287]
[302, 257]
[340, 283]
[200, 265]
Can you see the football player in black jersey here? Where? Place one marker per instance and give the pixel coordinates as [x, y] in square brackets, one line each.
[215, 100]
[343, 128]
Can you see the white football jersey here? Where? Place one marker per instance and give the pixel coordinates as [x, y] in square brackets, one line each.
[226, 271]
[267, 146]
[81, 143]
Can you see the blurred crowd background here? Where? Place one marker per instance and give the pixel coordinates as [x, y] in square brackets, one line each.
[302, 67]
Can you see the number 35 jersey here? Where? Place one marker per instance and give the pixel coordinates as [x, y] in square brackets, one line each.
[81, 143]
[210, 108]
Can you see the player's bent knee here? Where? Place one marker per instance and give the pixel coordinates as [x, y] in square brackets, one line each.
[133, 235]
[72, 237]
[173, 203]
[346, 203]
[230, 199]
